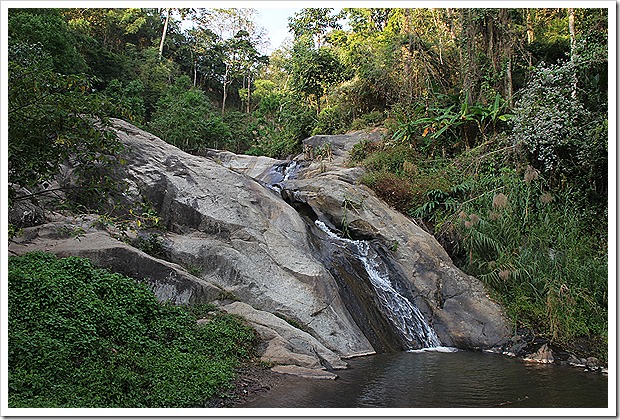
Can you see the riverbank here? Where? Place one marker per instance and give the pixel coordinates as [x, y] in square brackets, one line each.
[253, 379]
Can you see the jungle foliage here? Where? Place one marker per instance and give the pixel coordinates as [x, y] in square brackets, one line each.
[80, 336]
[475, 103]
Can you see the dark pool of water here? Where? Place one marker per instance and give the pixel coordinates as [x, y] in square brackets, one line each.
[430, 379]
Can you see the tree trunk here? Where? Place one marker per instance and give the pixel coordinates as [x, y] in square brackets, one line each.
[509, 81]
[530, 28]
[163, 34]
[247, 105]
[571, 31]
[468, 62]
[225, 92]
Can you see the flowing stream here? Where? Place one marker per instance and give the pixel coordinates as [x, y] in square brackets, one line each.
[405, 316]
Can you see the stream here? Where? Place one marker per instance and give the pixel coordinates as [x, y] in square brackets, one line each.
[432, 379]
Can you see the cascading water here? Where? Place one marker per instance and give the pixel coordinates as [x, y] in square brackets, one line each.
[405, 316]
[280, 173]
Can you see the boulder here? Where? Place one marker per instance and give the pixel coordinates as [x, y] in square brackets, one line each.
[543, 355]
[285, 344]
[241, 235]
[592, 363]
[304, 372]
[455, 303]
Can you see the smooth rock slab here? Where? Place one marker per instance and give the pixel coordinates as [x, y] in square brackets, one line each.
[169, 281]
[239, 233]
[304, 372]
[285, 344]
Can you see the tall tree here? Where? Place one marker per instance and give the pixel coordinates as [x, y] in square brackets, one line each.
[240, 59]
[313, 23]
[163, 34]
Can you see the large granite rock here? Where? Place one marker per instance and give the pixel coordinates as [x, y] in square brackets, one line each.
[240, 235]
[283, 343]
[224, 219]
[455, 304]
[68, 236]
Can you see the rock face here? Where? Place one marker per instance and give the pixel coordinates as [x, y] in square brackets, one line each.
[284, 344]
[79, 237]
[543, 355]
[453, 302]
[248, 244]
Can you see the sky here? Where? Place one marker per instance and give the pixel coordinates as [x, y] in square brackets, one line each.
[275, 21]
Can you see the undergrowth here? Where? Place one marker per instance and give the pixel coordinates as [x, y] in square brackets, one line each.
[84, 337]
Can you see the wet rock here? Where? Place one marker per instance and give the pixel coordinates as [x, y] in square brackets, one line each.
[575, 361]
[592, 363]
[455, 304]
[304, 372]
[543, 355]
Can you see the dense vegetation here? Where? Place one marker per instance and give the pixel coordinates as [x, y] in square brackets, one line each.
[83, 337]
[495, 121]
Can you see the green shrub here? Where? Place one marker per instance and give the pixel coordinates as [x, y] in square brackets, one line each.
[390, 158]
[186, 118]
[334, 120]
[563, 137]
[372, 119]
[83, 337]
[125, 100]
[362, 150]
[281, 122]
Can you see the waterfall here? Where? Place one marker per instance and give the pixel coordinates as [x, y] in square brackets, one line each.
[280, 173]
[405, 316]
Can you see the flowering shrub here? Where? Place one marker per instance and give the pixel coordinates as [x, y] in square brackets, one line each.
[563, 137]
[548, 120]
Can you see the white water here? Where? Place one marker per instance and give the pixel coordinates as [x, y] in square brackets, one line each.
[439, 349]
[280, 173]
[405, 316]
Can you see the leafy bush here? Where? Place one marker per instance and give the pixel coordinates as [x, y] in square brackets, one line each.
[126, 100]
[186, 118]
[562, 136]
[281, 123]
[240, 126]
[333, 120]
[449, 123]
[391, 158]
[52, 119]
[83, 337]
[372, 119]
[540, 249]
